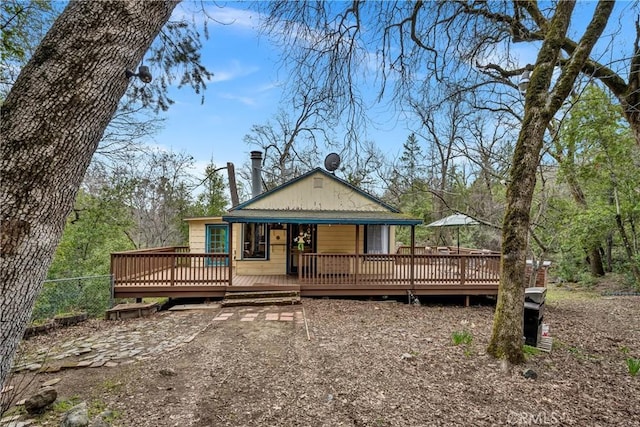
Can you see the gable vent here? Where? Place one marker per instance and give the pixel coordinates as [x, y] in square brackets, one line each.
[317, 182]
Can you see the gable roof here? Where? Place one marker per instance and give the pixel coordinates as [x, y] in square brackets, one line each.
[282, 187]
[301, 201]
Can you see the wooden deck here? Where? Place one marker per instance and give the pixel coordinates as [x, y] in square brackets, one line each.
[181, 274]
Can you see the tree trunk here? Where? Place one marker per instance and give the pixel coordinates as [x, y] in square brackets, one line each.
[506, 339]
[540, 106]
[596, 267]
[593, 251]
[608, 253]
[628, 249]
[51, 123]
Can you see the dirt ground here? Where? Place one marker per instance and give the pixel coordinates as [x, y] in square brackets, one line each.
[375, 363]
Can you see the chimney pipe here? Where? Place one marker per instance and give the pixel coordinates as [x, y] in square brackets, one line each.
[256, 176]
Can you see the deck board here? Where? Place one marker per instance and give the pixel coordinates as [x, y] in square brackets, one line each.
[194, 284]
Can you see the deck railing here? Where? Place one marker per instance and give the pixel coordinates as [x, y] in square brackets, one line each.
[170, 266]
[175, 266]
[463, 268]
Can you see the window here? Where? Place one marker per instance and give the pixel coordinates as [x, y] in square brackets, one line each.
[254, 241]
[377, 239]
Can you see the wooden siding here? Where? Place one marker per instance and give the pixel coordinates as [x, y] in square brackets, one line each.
[338, 239]
[198, 231]
[317, 192]
[197, 236]
[275, 265]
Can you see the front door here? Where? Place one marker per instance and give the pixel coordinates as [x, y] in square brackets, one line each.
[217, 241]
[301, 239]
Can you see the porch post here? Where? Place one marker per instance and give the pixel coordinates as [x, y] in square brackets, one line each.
[230, 253]
[413, 256]
[357, 253]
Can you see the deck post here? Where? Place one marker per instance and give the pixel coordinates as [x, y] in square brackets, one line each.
[229, 254]
[357, 253]
[173, 269]
[462, 266]
[413, 257]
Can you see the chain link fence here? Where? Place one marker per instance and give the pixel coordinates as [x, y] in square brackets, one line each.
[89, 294]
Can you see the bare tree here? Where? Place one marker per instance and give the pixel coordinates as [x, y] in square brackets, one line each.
[436, 45]
[155, 188]
[289, 146]
[292, 143]
[361, 165]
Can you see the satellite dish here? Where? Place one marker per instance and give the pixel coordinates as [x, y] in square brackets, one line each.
[332, 162]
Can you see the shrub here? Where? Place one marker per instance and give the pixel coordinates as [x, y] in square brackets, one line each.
[461, 337]
[634, 366]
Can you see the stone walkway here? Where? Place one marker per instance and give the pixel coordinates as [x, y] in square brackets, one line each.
[125, 342]
[268, 314]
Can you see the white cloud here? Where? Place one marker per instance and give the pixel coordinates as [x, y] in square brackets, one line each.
[268, 87]
[242, 99]
[234, 70]
[231, 16]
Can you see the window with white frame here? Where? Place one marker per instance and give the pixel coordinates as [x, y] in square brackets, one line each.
[377, 239]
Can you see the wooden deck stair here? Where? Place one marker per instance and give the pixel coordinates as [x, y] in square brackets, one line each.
[258, 298]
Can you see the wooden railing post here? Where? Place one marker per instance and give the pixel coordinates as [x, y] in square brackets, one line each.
[230, 251]
[462, 266]
[413, 257]
[112, 266]
[173, 270]
[357, 261]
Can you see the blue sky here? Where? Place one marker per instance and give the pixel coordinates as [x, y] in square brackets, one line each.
[244, 91]
[247, 88]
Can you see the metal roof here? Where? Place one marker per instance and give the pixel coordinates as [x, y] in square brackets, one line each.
[319, 217]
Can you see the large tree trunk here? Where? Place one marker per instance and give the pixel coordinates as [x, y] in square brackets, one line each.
[540, 106]
[506, 340]
[52, 121]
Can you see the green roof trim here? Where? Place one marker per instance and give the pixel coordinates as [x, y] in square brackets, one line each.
[319, 217]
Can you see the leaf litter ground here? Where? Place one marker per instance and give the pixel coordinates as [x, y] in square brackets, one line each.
[371, 363]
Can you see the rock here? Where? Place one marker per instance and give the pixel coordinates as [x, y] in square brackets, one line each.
[18, 423]
[530, 373]
[78, 416]
[39, 401]
[406, 356]
[51, 382]
[167, 372]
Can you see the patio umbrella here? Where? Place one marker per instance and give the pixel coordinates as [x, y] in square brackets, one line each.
[456, 220]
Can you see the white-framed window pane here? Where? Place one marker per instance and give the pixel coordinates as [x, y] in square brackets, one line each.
[377, 239]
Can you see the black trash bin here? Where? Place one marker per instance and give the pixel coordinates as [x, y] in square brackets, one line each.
[533, 314]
